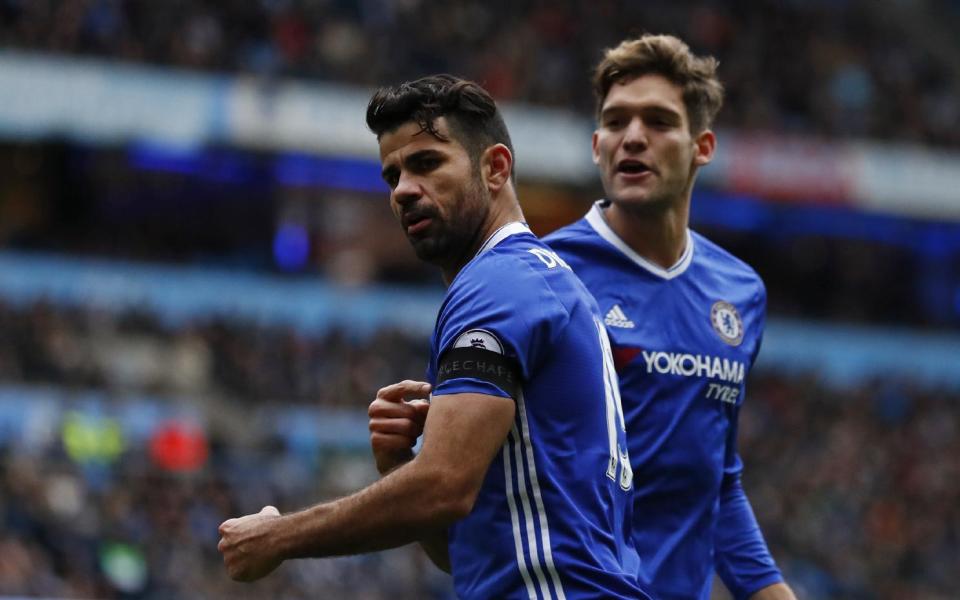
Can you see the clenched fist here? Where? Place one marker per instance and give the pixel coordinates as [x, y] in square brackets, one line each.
[248, 551]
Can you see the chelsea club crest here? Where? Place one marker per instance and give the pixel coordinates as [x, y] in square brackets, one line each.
[726, 322]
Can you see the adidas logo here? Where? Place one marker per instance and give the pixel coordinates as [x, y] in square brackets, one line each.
[617, 318]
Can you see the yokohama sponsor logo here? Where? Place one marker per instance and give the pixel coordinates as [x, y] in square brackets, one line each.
[690, 365]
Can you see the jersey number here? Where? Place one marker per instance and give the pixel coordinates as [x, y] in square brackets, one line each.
[615, 422]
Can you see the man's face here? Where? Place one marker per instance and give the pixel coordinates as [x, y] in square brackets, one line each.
[436, 192]
[643, 145]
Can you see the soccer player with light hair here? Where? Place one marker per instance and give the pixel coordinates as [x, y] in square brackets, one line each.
[522, 486]
[685, 320]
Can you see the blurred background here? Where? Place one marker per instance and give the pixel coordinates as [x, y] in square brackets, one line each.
[202, 287]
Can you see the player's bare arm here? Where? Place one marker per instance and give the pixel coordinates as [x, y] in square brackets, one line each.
[777, 591]
[397, 417]
[436, 488]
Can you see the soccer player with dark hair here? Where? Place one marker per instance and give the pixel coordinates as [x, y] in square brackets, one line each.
[685, 319]
[522, 485]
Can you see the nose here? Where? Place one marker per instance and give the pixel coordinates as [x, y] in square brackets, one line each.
[635, 136]
[408, 190]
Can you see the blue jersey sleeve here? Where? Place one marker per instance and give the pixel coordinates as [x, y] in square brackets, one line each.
[503, 305]
[732, 465]
[742, 558]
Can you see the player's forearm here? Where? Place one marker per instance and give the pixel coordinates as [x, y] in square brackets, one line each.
[436, 544]
[777, 591]
[392, 512]
[437, 547]
[390, 462]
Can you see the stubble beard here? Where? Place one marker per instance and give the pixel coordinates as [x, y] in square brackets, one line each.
[455, 234]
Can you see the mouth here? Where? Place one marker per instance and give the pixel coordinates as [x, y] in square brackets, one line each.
[633, 168]
[416, 223]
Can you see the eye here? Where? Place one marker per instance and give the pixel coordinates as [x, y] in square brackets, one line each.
[428, 163]
[392, 178]
[662, 120]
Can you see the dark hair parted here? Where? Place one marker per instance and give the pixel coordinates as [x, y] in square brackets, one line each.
[471, 113]
[671, 58]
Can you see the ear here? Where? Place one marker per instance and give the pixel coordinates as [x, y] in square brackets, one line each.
[595, 142]
[496, 165]
[705, 145]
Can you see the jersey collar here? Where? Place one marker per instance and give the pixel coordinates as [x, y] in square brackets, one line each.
[505, 231]
[599, 223]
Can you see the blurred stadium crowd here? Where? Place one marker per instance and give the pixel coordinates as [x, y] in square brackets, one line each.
[98, 510]
[250, 363]
[838, 69]
[857, 488]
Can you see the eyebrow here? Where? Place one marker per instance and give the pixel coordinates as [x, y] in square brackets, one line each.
[425, 153]
[418, 155]
[648, 108]
[665, 112]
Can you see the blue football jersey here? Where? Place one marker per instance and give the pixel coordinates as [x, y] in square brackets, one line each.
[552, 519]
[683, 340]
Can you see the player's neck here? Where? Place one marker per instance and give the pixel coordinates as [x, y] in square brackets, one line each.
[659, 235]
[500, 215]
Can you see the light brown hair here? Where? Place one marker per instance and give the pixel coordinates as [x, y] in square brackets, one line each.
[671, 58]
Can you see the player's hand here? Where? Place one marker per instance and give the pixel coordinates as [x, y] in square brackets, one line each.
[397, 416]
[247, 552]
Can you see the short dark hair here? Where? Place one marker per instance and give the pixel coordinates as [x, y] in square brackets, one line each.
[472, 114]
[670, 57]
